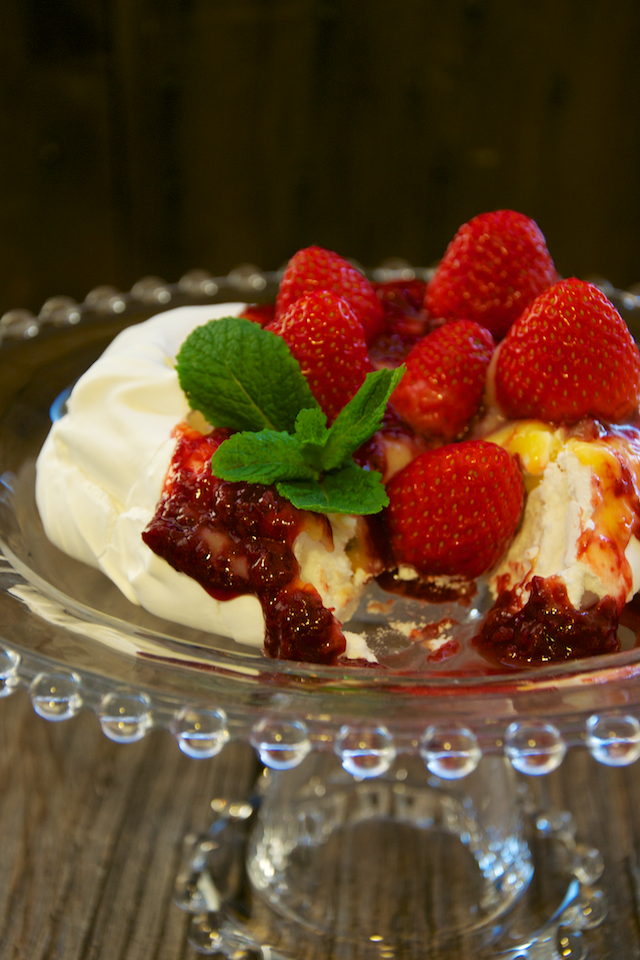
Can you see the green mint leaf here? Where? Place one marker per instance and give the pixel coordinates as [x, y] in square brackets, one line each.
[361, 417]
[263, 457]
[242, 377]
[311, 434]
[245, 378]
[350, 490]
[311, 426]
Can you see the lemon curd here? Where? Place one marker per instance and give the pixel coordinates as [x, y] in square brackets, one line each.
[584, 481]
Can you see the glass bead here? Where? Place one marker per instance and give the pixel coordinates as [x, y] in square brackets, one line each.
[60, 311]
[449, 751]
[570, 945]
[587, 864]
[151, 290]
[613, 740]
[587, 912]
[200, 731]
[125, 715]
[281, 744]
[9, 664]
[236, 810]
[365, 751]
[556, 823]
[100, 298]
[19, 325]
[248, 278]
[204, 933]
[212, 935]
[394, 268]
[56, 696]
[534, 747]
[198, 283]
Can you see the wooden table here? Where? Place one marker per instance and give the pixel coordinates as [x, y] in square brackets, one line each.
[91, 833]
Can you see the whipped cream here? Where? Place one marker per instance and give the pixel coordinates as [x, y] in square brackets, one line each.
[579, 514]
[102, 469]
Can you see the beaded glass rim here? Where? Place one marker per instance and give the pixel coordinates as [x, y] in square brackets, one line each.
[286, 710]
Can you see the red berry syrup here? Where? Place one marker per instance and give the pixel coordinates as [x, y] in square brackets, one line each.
[237, 538]
[548, 628]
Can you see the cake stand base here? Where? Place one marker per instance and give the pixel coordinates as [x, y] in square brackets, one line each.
[321, 864]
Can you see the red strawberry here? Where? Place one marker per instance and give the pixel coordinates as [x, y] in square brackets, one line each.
[444, 383]
[569, 356]
[260, 313]
[327, 339]
[453, 510]
[313, 269]
[494, 267]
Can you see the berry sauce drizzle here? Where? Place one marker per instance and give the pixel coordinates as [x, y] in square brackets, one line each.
[548, 628]
[237, 538]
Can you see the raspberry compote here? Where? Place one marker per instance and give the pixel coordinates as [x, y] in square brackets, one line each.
[547, 628]
[405, 321]
[237, 538]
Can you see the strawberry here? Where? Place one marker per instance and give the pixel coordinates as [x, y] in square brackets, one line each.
[569, 356]
[260, 313]
[313, 269]
[443, 386]
[453, 510]
[327, 339]
[494, 267]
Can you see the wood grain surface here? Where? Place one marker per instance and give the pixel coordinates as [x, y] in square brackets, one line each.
[91, 832]
[91, 835]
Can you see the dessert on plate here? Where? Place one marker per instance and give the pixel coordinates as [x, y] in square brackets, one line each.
[248, 470]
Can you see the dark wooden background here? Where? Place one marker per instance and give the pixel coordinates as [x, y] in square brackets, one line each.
[153, 136]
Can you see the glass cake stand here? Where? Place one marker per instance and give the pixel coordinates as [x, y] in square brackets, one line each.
[357, 764]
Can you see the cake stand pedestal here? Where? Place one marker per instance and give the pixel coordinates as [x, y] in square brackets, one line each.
[440, 867]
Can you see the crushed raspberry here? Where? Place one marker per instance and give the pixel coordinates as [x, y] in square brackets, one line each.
[548, 628]
[237, 538]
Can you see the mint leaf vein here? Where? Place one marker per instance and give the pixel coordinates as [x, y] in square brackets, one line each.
[263, 457]
[350, 490]
[242, 377]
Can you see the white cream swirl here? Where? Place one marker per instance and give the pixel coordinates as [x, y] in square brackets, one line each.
[102, 469]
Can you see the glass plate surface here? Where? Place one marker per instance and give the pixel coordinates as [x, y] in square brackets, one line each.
[61, 618]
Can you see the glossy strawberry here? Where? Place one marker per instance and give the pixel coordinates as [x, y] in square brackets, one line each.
[453, 510]
[443, 386]
[327, 339]
[569, 356]
[314, 268]
[494, 267]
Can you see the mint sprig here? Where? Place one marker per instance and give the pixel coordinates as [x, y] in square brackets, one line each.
[349, 490]
[240, 379]
[361, 417]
